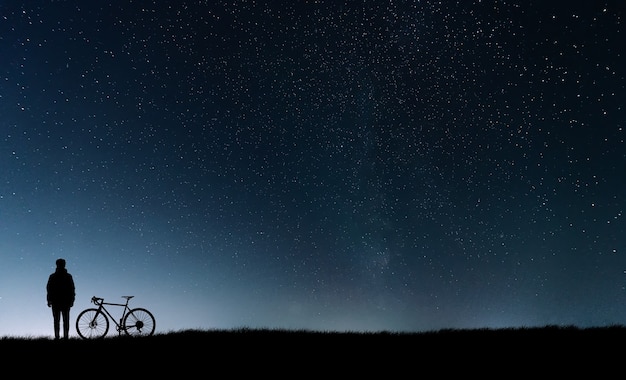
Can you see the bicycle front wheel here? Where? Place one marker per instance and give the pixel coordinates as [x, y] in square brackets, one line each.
[139, 322]
[92, 324]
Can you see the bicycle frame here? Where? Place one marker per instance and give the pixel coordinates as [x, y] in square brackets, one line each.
[100, 303]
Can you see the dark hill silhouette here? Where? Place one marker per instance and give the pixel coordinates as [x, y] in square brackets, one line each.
[332, 354]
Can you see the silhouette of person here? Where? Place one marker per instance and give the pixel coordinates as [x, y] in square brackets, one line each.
[60, 295]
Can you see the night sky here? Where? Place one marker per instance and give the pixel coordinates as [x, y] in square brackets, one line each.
[323, 165]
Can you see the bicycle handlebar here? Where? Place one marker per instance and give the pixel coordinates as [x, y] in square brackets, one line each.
[96, 300]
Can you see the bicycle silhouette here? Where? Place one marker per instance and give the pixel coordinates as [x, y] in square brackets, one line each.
[93, 323]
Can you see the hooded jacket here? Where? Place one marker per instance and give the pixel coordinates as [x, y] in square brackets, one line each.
[60, 289]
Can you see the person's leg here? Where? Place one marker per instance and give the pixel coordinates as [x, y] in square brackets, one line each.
[56, 318]
[66, 322]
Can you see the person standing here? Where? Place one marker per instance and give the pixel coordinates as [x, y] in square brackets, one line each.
[61, 294]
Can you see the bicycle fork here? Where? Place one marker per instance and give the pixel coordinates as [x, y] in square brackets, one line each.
[94, 322]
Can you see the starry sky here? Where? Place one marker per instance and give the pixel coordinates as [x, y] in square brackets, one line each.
[325, 165]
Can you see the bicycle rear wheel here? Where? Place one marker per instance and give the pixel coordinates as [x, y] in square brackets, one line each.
[92, 324]
[139, 322]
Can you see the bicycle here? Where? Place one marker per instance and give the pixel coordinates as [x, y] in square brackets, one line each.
[93, 323]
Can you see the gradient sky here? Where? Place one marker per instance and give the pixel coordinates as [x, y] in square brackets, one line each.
[324, 165]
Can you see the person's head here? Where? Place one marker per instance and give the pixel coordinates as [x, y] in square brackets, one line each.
[60, 263]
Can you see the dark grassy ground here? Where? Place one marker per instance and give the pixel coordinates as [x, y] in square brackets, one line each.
[230, 353]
